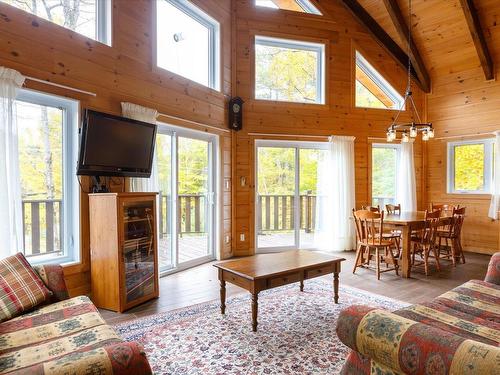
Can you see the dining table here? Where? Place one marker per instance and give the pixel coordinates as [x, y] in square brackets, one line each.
[406, 222]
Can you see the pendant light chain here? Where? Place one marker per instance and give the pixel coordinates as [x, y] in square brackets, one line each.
[410, 25]
[409, 130]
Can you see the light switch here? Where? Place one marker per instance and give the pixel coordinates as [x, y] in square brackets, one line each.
[242, 237]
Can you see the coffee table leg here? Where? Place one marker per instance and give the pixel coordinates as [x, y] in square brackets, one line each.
[301, 285]
[255, 307]
[336, 287]
[222, 296]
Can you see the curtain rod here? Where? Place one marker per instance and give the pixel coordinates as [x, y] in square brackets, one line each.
[466, 135]
[193, 122]
[61, 86]
[289, 135]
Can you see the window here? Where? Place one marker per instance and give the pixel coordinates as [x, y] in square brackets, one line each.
[385, 160]
[304, 6]
[187, 42]
[48, 134]
[470, 166]
[372, 90]
[289, 70]
[91, 18]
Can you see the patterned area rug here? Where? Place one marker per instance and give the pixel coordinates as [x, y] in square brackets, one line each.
[296, 333]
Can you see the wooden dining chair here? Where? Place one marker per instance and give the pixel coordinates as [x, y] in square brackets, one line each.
[371, 242]
[394, 209]
[451, 234]
[371, 208]
[424, 241]
[444, 208]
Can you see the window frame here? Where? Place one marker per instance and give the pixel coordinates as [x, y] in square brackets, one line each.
[213, 26]
[306, 5]
[104, 22]
[379, 80]
[309, 7]
[488, 166]
[305, 45]
[71, 193]
[397, 148]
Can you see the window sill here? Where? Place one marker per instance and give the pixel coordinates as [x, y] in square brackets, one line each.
[474, 195]
[285, 104]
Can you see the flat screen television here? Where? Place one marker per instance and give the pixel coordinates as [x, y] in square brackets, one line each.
[115, 146]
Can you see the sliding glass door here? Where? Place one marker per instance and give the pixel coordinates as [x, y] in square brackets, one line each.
[186, 179]
[286, 194]
[195, 200]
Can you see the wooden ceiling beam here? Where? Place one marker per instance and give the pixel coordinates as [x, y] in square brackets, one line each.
[363, 17]
[402, 28]
[472, 18]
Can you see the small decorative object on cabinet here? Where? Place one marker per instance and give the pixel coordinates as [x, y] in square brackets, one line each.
[123, 249]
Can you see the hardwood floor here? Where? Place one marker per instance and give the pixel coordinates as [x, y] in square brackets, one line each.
[200, 284]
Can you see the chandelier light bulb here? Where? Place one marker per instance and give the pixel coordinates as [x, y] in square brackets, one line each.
[430, 131]
[425, 135]
[405, 138]
[389, 136]
[413, 131]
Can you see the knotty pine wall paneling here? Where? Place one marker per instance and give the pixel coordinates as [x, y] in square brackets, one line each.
[338, 116]
[462, 104]
[124, 71]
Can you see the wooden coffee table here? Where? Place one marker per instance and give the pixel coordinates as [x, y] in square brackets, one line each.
[267, 271]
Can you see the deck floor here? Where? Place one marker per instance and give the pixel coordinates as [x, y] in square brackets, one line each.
[191, 247]
[194, 246]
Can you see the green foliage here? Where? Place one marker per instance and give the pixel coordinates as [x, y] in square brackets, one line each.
[40, 151]
[163, 150]
[285, 74]
[469, 167]
[193, 166]
[384, 172]
[276, 170]
[365, 99]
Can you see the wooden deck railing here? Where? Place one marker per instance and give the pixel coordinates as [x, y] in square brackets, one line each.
[192, 213]
[42, 226]
[276, 212]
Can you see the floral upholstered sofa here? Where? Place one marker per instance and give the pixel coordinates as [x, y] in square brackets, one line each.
[456, 333]
[65, 336]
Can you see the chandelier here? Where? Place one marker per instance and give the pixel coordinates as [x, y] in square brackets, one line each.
[409, 130]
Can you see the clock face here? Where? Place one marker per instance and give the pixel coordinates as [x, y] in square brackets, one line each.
[236, 107]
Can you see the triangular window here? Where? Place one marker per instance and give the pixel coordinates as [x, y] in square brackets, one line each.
[304, 6]
[372, 89]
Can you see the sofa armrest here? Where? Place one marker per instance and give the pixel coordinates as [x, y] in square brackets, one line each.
[493, 273]
[128, 358]
[405, 346]
[53, 277]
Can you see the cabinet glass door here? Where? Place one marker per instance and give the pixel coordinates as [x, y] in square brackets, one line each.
[138, 249]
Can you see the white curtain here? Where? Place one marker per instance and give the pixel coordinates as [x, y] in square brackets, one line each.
[336, 197]
[406, 191]
[145, 114]
[495, 196]
[11, 221]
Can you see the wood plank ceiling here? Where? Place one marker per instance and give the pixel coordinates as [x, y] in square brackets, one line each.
[442, 32]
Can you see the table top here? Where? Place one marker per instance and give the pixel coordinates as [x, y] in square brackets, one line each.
[264, 265]
[405, 217]
[408, 217]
